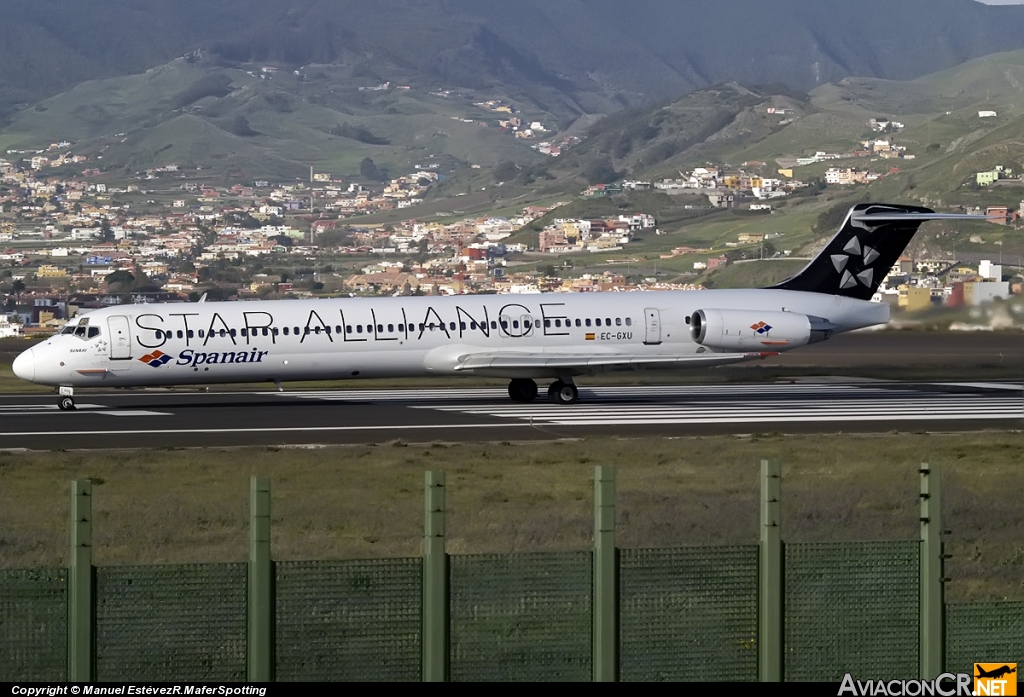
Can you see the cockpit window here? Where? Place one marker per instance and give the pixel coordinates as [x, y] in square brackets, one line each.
[82, 331]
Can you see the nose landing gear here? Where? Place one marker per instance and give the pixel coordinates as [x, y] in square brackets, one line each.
[67, 399]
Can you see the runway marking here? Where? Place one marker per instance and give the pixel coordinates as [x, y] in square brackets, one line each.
[984, 385]
[905, 407]
[54, 410]
[586, 393]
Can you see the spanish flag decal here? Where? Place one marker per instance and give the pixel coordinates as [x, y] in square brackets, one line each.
[590, 337]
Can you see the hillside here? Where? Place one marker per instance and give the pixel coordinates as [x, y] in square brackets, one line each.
[592, 54]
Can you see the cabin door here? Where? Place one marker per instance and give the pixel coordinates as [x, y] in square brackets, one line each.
[652, 319]
[120, 338]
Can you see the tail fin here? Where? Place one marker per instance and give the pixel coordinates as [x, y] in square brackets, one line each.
[857, 258]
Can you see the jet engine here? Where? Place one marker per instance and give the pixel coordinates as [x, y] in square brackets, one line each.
[752, 330]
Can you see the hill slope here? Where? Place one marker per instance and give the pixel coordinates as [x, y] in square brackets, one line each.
[591, 50]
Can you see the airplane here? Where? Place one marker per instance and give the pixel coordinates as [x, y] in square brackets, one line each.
[994, 673]
[523, 338]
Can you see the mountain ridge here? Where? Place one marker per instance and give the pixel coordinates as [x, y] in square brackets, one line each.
[595, 52]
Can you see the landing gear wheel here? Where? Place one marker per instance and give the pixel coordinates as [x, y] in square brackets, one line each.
[563, 393]
[522, 390]
[66, 404]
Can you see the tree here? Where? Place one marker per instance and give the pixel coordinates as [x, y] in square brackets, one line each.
[123, 277]
[368, 170]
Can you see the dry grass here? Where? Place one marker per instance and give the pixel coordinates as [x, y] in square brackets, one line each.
[170, 506]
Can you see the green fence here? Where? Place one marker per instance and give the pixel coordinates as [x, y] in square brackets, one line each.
[748, 612]
[688, 614]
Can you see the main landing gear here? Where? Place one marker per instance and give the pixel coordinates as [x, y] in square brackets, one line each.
[67, 399]
[560, 392]
[563, 393]
[521, 390]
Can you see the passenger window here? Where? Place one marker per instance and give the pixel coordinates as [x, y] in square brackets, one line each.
[578, 323]
[597, 322]
[451, 325]
[266, 331]
[316, 330]
[234, 333]
[462, 326]
[547, 323]
[558, 323]
[607, 322]
[472, 325]
[504, 324]
[629, 322]
[306, 330]
[359, 329]
[244, 332]
[494, 325]
[391, 328]
[536, 323]
[380, 328]
[180, 336]
[201, 334]
[515, 324]
[618, 321]
[588, 322]
[286, 331]
[223, 333]
[422, 326]
[191, 334]
[295, 330]
[274, 331]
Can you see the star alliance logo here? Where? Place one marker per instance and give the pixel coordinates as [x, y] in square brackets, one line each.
[761, 327]
[840, 261]
[156, 359]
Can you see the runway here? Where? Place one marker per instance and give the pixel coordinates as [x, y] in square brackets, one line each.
[157, 418]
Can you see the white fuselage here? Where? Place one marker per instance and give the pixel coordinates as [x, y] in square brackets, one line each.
[320, 339]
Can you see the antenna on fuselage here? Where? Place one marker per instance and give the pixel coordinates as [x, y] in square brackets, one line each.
[202, 299]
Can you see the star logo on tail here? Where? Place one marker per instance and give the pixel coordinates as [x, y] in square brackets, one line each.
[852, 249]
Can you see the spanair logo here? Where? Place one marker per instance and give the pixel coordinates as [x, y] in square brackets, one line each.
[156, 359]
[995, 679]
[761, 327]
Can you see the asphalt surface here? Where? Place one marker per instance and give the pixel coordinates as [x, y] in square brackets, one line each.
[155, 418]
[930, 381]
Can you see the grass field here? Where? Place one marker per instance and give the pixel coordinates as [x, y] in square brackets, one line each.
[173, 506]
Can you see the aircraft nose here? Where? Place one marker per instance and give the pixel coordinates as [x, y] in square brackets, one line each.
[25, 365]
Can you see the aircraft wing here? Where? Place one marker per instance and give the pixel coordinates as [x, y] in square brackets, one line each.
[508, 360]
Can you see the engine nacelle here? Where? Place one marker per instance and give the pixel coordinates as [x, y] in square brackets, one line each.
[751, 330]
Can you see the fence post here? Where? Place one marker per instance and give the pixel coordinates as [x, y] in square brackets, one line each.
[606, 592]
[770, 634]
[81, 585]
[261, 584]
[932, 613]
[435, 582]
